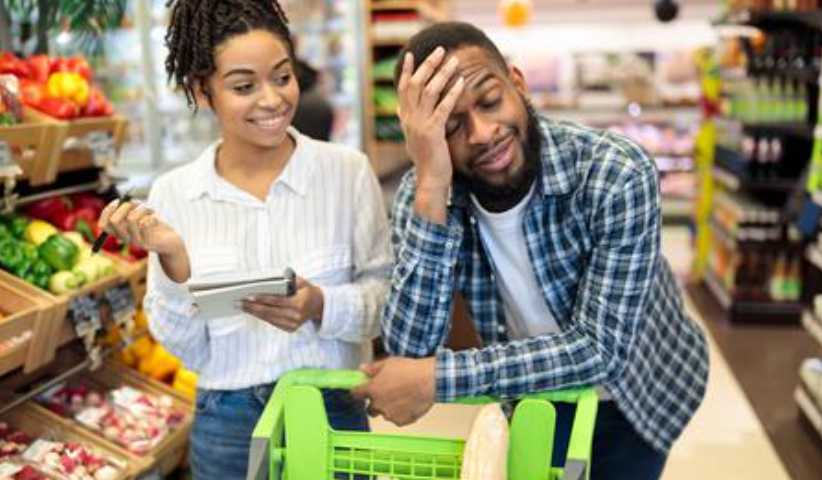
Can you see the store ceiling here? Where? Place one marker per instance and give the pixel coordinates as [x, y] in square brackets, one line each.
[484, 12]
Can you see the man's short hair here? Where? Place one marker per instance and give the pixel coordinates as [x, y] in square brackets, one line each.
[451, 36]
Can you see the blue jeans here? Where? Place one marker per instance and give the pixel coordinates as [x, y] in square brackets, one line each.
[618, 453]
[225, 420]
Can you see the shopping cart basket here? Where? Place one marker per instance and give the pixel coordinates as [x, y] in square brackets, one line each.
[293, 440]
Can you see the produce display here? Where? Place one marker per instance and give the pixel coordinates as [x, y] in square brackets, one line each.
[38, 253]
[71, 460]
[132, 418]
[80, 213]
[59, 87]
[14, 470]
[22, 458]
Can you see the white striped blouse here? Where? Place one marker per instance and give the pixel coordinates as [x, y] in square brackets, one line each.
[324, 217]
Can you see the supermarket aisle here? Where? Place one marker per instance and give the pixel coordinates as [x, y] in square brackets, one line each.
[725, 440]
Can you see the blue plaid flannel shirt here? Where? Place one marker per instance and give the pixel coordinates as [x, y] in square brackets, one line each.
[593, 235]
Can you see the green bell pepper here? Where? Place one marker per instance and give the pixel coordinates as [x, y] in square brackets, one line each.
[29, 250]
[16, 224]
[5, 231]
[42, 273]
[59, 252]
[11, 256]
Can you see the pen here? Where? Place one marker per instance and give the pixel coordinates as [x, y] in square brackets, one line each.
[101, 239]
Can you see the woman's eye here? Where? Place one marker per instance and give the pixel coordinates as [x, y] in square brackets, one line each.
[243, 88]
[283, 79]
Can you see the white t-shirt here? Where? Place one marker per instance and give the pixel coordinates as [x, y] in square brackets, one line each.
[526, 312]
[502, 235]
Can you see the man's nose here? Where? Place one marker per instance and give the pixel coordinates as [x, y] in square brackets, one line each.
[480, 129]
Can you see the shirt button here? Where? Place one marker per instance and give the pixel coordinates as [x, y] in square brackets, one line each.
[473, 221]
[501, 329]
[449, 245]
[493, 277]
[443, 298]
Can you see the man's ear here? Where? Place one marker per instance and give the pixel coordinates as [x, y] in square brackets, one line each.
[518, 79]
[202, 95]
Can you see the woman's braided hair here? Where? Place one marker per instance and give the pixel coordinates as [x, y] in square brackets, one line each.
[198, 27]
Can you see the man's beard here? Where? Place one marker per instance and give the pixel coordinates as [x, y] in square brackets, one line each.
[503, 197]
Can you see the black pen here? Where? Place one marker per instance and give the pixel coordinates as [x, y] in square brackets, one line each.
[101, 239]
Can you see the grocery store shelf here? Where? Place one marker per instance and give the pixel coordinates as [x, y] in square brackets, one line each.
[717, 289]
[794, 129]
[736, 183]
[809, 408]
[812, 325]
[782, 19]
[391, 5]
[727, 179]
[814, 255]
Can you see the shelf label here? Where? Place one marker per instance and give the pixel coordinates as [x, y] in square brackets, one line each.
[120, 300]
[102, 147]
[84, 314]
[6, 158]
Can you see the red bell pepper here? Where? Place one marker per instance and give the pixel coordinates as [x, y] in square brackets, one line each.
[32, 93]
[58, 108]
[88, 200]
[9, 64]
[49, 209]
[80, 220]
[80, 65]
[98, 105]
[39, 67]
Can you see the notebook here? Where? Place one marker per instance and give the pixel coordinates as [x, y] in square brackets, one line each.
[219, 299]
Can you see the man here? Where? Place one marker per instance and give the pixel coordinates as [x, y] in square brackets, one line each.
[551, 232]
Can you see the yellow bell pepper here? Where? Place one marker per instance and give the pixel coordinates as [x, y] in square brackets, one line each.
[68, 86]
[160, 364]
[38, 231]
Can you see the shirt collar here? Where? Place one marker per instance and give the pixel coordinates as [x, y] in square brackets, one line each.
[296, 176]
[557, 165]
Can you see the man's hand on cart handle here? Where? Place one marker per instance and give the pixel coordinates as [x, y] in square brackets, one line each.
[400, 389]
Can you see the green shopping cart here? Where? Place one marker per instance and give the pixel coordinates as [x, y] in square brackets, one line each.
[293, 440]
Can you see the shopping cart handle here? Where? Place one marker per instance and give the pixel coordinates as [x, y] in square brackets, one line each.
[574, 470]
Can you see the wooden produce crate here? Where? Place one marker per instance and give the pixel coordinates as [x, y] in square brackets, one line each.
[60, 331]
[35, 144]
[72, 151]
[37, 423]
[49, 310]
[20, 316]
[170, 452]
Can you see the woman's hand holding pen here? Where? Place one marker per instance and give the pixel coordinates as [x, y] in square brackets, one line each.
[288, 313]
[138, 225]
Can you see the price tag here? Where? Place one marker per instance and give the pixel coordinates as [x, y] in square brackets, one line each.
[6, 158]
[120, 300]
[102, 147]
[84, 313]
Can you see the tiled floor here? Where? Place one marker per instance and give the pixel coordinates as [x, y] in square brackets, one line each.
[724, 441]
